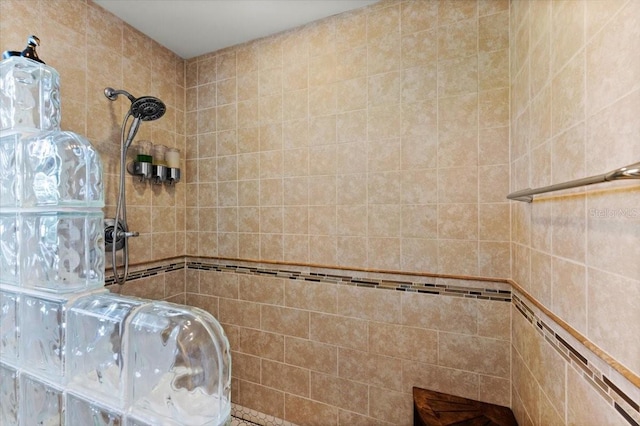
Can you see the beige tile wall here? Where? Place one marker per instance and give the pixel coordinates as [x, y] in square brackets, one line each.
[575, 94]
[92, 49]
[333, 354]
[167, 286]
[373, 139]
[340, 143]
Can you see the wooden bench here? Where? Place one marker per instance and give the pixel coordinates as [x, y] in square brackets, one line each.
[432, 408]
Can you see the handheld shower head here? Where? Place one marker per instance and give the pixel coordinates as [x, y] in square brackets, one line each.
[146, 108]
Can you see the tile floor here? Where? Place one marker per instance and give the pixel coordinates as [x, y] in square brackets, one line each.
[236, 421]
[243, 416]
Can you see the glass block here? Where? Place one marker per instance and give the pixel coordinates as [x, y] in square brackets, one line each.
[9, 305]
[133, 421]
[10, 179]
[29, 95]
[40, 403]
[61, 168]
[180, 366]
[93, 191]
[9, 270]
[9, 391]
[95, 326]
[42, 335]
[62, 252]
[94, 250]
[81, 411]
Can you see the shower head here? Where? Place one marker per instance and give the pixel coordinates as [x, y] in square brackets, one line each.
[146, 108]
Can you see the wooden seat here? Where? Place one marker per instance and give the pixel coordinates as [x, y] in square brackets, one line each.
[432, 408]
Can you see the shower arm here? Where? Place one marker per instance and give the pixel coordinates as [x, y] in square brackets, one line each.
[112, 94]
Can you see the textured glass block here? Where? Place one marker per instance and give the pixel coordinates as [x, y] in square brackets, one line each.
[9, 270]
[9, 306]
[60, 168]
[29, 95]
[133, 421]
[10, 178]
[9, 394]
[179, 366]
[94, 250]
[42, 335]
[95, 325]
[40, 403]
[62, 252]
[81, 411]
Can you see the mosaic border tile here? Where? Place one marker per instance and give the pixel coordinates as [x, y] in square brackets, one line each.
[612, 394]
[412, 284]
[148, 272]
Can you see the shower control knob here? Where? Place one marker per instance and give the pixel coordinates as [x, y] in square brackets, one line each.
[122, 234]
[115, 234]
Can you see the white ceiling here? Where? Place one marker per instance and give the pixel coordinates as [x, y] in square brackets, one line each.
[193, 27]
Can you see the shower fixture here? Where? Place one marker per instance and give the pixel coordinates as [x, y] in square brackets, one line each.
[145, 108]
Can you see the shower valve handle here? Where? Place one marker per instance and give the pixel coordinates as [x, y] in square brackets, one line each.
[122, 234]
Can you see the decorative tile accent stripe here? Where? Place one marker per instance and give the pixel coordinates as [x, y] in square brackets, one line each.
[419, 285]
[148, 272]
[621, 402]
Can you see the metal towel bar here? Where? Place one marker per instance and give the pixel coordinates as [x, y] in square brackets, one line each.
[629, 172]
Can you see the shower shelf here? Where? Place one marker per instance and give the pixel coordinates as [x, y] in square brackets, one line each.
[631, 171]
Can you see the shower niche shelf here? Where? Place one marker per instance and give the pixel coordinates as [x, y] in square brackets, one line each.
[156, 173]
